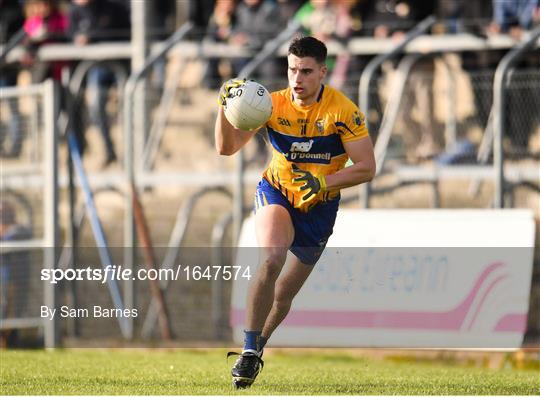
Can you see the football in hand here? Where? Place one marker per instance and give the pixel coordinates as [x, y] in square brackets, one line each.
[248, 106]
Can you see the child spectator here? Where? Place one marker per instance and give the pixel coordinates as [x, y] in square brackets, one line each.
[44, 24]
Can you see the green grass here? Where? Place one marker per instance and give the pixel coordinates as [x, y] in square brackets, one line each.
[145, 371]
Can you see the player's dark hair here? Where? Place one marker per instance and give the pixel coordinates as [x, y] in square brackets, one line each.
[308, 47]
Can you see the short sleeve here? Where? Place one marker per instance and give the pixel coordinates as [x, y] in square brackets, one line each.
[352, 124]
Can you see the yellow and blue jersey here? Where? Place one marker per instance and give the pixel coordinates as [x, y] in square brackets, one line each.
[311, 137]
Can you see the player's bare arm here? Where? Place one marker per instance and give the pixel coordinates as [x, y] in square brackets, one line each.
[229, 139]
[362, 170]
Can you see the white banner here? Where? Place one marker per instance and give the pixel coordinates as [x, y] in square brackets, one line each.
[410, 278]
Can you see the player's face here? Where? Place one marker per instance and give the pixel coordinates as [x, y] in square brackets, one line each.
[305, 78]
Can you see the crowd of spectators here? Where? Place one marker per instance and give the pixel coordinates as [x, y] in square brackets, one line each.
[80, 22]
[422, 120]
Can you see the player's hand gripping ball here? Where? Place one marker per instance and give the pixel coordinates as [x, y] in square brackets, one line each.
[225, 90]
[246, 103]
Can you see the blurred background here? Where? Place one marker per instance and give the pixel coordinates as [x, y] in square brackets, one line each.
[107, 111]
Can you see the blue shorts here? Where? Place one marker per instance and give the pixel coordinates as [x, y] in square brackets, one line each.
[311, 229]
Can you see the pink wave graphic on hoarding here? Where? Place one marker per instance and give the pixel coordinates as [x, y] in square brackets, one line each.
[448, 320]
[514, 322]
[484, 296]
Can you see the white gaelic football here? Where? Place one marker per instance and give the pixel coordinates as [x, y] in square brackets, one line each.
[249, 107]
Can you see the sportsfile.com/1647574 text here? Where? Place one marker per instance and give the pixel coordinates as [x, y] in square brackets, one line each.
[121, 273]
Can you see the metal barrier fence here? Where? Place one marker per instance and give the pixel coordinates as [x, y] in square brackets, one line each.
[420, 131]
[29, 216]
[423, 141]
[443, 128]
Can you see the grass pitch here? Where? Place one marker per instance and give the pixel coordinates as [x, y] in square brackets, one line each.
[145, 371]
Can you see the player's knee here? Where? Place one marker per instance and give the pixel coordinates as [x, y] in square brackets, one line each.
[273, 264]
[283, 299]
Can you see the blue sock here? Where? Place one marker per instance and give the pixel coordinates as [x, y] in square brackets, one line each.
[252, 341]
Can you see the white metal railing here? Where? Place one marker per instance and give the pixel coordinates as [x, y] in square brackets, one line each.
[356, 46]
[47, 173]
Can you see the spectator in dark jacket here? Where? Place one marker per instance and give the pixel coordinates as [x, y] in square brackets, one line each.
[199, 12]
[257, 21]
[94, 21]
[459, 16]
[385, 18]
[219, 30]
[161, 26]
